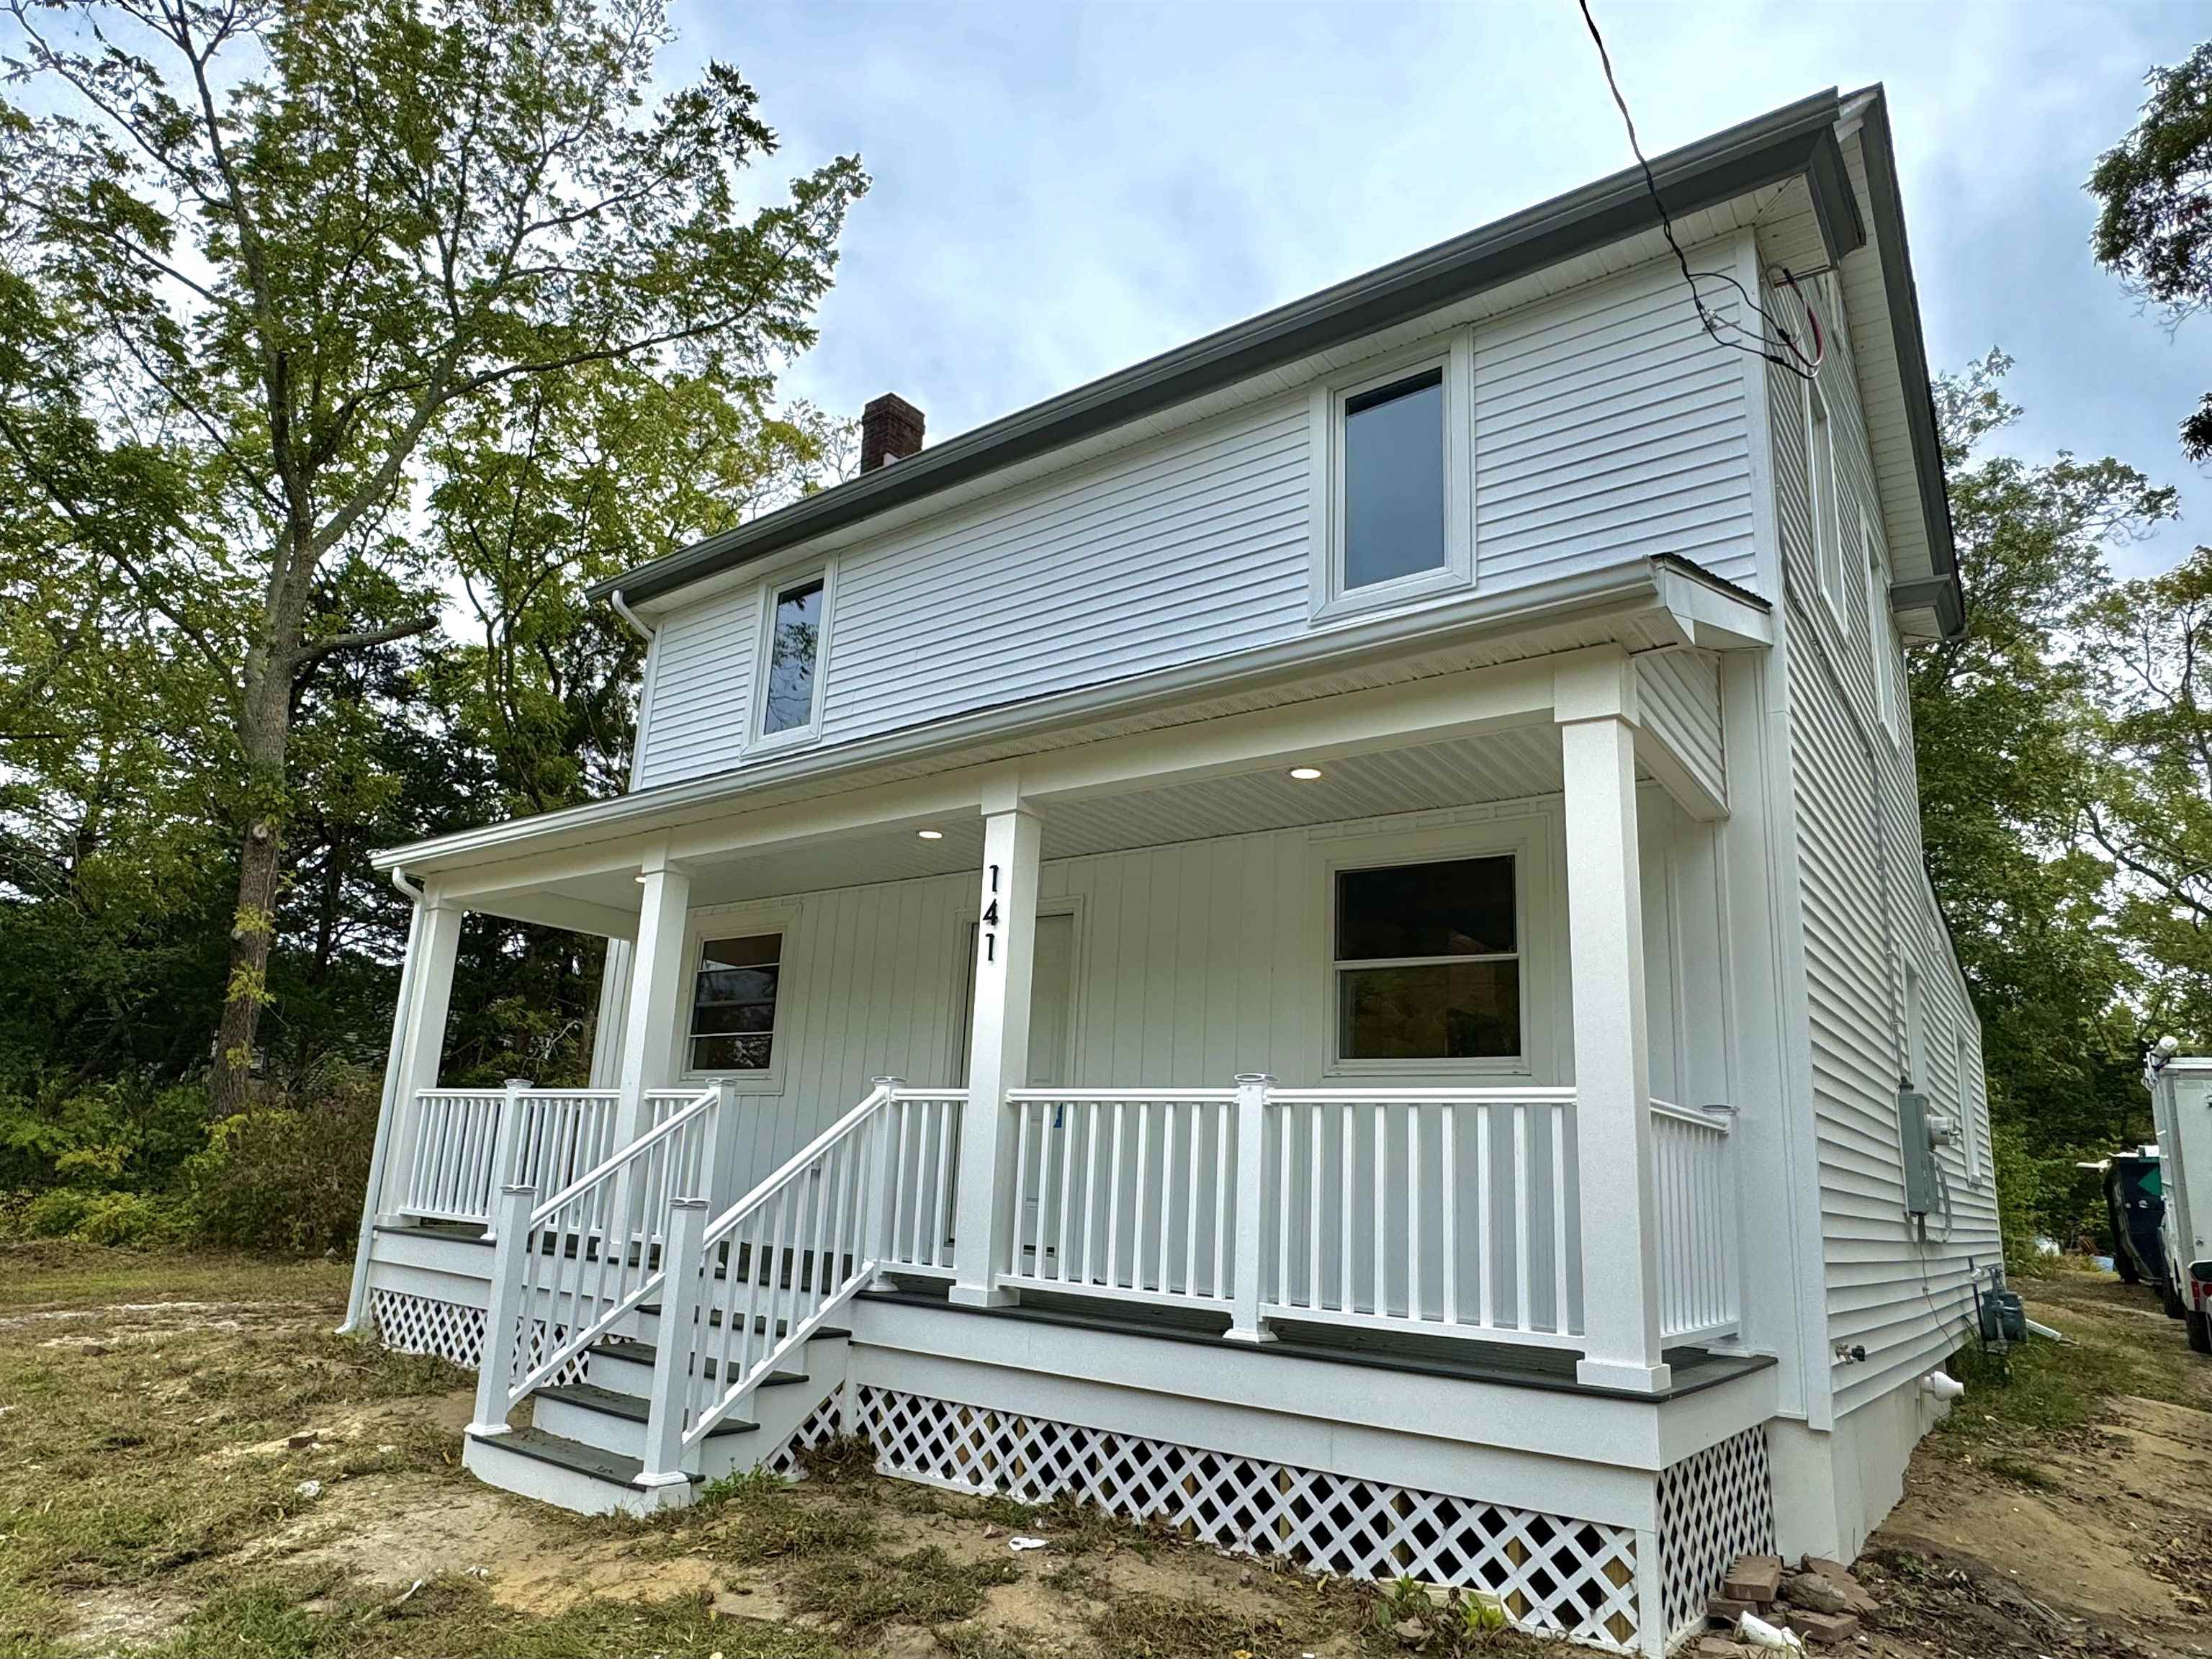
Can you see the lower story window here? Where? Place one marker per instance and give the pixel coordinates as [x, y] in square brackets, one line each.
[733, 1003]
[1427, 962]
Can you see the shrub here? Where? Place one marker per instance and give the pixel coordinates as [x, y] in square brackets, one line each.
[134, 1221]
[55, 1213]
[289, 1177]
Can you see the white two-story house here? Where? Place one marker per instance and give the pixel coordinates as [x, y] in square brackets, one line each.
[1320, 939]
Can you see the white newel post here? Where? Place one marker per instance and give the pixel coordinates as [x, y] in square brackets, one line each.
[998, 1055]
[504, 1140]
[1245, 1324]
[882, 1170]
[422, 1039]
[1594, 705]
[503, 1309]
[672, 1372]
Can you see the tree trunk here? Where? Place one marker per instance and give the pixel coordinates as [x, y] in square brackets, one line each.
[264, 729]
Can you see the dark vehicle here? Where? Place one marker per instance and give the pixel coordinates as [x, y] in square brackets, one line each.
[2135, 1202]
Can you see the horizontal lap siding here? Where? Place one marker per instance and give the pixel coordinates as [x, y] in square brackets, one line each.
[1904, 1300]
[1679, 696]
[699, 687]
[1608, 425]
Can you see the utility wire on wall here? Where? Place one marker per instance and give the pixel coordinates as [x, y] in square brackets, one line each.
[1776, 341]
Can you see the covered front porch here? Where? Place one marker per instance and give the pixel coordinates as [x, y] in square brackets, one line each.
[1390, 1012]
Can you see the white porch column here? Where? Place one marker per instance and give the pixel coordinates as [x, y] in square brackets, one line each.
[418, 1037]
[656, 991]
[998, 1053]
[1594, 705]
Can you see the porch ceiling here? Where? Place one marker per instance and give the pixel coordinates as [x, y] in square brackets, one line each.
[1504, 765]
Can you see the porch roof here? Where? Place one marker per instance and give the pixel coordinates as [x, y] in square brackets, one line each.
[933, 776]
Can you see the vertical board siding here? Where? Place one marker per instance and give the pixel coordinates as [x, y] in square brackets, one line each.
[1607, 428]
[1679, 694]
[1868, 910]
[1606, 423]
[1192, 962]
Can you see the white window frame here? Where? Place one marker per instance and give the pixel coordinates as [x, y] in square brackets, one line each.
[758, 738]
[1969, 1140]
[1518, 847]
[740, 921]
[1822, 485]
[1883, 652]
[1328, 596]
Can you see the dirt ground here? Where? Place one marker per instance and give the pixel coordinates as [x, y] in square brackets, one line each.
[152, 1500]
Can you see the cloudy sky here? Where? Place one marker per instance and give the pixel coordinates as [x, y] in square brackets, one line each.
[1061, 190]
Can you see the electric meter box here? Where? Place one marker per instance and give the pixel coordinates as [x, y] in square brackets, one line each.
[1917, 1128]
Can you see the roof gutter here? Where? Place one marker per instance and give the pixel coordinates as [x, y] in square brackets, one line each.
[1798, 141]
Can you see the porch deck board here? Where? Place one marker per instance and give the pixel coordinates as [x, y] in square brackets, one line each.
[1693, 1370]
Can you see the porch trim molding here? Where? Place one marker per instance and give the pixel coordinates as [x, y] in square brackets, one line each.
[1437, 708]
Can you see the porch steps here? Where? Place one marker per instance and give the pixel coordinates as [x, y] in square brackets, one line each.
[584, 1448]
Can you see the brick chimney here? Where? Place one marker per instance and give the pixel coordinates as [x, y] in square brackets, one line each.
[890, 430]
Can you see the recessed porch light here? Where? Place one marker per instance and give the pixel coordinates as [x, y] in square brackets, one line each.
[931, 835]
[1305, 774]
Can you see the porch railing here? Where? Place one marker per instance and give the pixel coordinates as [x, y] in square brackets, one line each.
[1450, 1210]
[923, 1144]
[1454, 1210]
[1124, 1195]
[469, 1143]
[1693, 1193]
[751, 1285]
[568, 1270]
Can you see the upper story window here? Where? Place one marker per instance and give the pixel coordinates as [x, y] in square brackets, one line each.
[1886, 653]
[1391, 484]
[1820, 484]
[797, 629]
[1393, 480]
[734, 996]
[1427, 962]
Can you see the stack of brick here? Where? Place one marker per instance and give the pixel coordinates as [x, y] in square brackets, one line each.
[1819, 1598]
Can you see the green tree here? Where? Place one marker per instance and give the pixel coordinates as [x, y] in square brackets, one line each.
[2154, 228]
[2145, 644]
[264, 253]
[2002, 717]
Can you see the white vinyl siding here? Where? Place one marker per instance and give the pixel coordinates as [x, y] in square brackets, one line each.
[1605, 428]
[1606, 424]
[1869, 912]
[1678, 693]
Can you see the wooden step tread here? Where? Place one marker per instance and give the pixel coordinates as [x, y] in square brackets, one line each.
[573, 1455]
[644, 1353]
[629, 1406]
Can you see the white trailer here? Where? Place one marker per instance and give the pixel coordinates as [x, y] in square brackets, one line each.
[2181, 1105]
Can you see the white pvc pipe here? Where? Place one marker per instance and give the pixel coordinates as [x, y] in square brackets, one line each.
[1942, 1385]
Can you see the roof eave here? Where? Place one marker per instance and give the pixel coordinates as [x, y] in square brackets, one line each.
[1796, 141]
[1942, 593]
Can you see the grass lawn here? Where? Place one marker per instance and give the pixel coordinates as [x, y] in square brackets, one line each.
[151, 1503]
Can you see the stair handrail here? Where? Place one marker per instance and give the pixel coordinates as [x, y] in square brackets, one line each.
[680, 1377]
[584, 1298]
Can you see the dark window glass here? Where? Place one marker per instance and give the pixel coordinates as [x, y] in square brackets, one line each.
[1393, 480]
[733, 1003]
[1460, 907]
[1444, 1011]
[792, 649]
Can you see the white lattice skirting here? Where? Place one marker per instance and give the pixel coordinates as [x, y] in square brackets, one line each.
[825, 1424]
[1550, 1573]
[1713, 1506]
[451, 1330]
